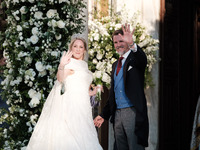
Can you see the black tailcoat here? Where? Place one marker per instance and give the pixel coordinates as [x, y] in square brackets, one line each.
[133, 76]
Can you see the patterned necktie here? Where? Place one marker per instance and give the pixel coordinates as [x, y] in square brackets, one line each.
[119, 64]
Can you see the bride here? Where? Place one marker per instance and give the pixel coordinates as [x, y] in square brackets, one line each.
[66, 121]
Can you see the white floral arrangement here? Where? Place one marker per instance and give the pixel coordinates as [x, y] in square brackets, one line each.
[102, 53]
[37, 32]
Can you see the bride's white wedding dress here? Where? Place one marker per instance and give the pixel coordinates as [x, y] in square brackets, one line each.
[66, 121]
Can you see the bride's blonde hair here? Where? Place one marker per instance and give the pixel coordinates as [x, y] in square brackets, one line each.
[78, 38]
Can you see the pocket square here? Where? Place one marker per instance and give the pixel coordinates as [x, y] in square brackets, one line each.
[129, 68]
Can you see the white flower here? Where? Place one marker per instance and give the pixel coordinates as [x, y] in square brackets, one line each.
[48, 67]
[58, 37]
[30, 129]
[34, 102]
[53, 23]
[19, 28]
[96, 37]
[106, 78]
[91, 52]
[118, 26]
[42, 73]
[54, 53]
[28, 60]
[23, 10]
[15, 1]
[39, 66]
[100, 65]
[60, 24]
[31, 1]
[60, 1]
[94, 61]
[97, 74]
[99, 56]
[51, 13]
[30, 84]
[8, 65]
[34, 39]
[29, 74]
[22, 54]
[31, 93]
[38, 15]
[24, 148]
[5, 44]
[34, 30]
[49, 23]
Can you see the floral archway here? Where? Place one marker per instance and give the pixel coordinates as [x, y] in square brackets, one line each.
[37, 32]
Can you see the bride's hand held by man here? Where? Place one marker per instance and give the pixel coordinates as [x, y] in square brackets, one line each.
[98, 121]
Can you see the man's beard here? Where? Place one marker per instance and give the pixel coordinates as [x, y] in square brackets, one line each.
[121, 52]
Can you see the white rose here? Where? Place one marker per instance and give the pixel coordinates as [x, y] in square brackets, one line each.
[39, 66]
[60, 24]
[15, 1]
[97, 74]
[96, 37]
[34, 30]
[31, 93]
[23, 10]
[34, 102]
[118, 26]
[51, 13]
[100, 65]
[31, 1]
[54, 53]
[60, 1]
[38, 15]
[49, 23]
[58, 37]
[106, 78]
[99, 56]
[42, 73]
[5, 43]
[24, 148]
[91, 51]
[8, 65]
[30, 84]
[48, 67]
[94, 61]
[113, 60]
[30, 129]
[28, 60]
[54, 23]
[34, 39]
[19, 28]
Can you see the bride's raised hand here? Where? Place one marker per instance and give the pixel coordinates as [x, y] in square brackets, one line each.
[65, 59]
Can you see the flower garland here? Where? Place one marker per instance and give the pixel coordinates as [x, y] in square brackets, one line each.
[37, 32]
[102, 53]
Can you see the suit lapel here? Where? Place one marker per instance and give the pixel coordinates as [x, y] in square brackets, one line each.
[129, 58]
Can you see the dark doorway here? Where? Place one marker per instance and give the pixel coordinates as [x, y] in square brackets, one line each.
[179, 72]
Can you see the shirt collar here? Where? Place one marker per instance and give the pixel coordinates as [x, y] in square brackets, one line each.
[126, 54]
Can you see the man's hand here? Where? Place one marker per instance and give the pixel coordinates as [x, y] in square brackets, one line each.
[128, 35]
[98, 121]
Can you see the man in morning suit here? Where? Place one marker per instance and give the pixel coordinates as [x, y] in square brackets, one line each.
[126, 106]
